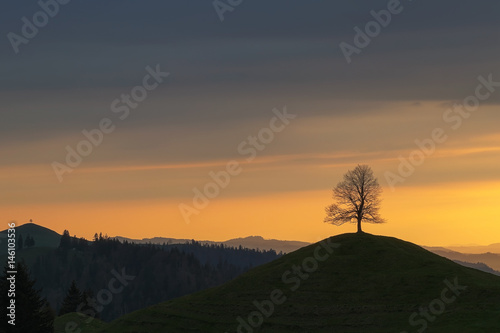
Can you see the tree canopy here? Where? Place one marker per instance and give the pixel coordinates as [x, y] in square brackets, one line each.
[74, 297]
[357, 199]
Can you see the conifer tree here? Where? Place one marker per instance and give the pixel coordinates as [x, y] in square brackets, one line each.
[72, 300]
[65, 242]
[32, 312]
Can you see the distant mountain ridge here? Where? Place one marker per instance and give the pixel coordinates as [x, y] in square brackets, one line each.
[251, 242]
[490, 259]
[478, 249]
[48, 238]
[478, 255]
[480, 266]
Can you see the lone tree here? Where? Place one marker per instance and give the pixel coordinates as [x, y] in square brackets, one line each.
[73, 298]
[357, 199]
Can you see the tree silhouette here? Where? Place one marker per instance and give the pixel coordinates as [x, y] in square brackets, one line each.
[72, 300]
[65, 242]
[33, 314]
[85, 305]
[357, 199]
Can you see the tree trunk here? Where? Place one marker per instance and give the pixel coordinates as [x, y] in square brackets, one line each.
[359, 227]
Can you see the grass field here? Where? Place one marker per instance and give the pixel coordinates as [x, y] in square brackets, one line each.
[77, 323]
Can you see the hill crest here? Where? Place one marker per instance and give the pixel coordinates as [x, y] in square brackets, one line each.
[44, 237]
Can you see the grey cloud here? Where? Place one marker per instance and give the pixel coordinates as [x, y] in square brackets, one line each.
[265, 55]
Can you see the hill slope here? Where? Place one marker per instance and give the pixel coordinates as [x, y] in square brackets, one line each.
[45, 241]
[44, 237]
[368, 284]
[77, 323]
[490, 259]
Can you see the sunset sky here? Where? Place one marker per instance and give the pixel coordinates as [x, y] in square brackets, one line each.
[225, 79]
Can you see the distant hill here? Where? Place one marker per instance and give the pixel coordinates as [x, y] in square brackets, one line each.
[257, 242]
[490, 259]
[368, 284]
[251, 242]
[480, 266]
[43, 237]
[158, 240]
[493, 248]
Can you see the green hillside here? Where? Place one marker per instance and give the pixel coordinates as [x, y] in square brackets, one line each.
[77, 323]
[368, 284]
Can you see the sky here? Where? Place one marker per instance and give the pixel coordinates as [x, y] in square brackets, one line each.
[205, 120]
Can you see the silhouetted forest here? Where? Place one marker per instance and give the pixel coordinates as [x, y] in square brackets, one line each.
[160, 272]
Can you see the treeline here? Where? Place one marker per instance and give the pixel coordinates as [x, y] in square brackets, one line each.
[213, 254]
[29, 242]
[154, 273]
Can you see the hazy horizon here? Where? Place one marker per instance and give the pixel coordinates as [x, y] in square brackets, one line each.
[465, 246]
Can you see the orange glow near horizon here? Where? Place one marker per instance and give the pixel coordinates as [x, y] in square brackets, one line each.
[452, 198]
[435, 215]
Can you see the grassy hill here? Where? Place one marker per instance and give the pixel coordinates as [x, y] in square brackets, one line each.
[77, 323]
[368, 284]
[490, 259]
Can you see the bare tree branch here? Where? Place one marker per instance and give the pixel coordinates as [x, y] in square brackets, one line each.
[357, 199]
